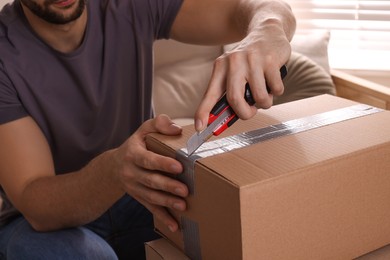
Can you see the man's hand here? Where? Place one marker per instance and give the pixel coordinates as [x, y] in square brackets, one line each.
[140, 172]
[264, 29]
[52, 202]
[257, 59]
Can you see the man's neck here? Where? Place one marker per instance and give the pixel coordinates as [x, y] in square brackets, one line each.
[63, 38]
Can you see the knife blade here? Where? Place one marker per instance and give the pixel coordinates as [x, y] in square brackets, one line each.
[221, 117]
[197, 139]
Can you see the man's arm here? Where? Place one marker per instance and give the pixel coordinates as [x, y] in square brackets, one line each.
[51, 202]
[264, 29]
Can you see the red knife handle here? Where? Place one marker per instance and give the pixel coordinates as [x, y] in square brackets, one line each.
[222, 105]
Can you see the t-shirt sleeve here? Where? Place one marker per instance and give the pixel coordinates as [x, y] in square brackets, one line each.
[167, 14]
[156, 15]
[10, 105]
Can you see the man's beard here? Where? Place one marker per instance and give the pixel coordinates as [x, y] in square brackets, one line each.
[53, 17]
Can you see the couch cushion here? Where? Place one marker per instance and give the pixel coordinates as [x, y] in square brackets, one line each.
[304, 79]
[181, 75]
[313, 45]
[169, 52]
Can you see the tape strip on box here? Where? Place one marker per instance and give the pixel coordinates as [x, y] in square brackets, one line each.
[191, 238]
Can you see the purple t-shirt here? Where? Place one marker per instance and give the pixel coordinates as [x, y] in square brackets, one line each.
[89, 100]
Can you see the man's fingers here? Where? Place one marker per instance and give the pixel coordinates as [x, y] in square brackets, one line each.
[157, 202]
[161, 124]
[214, 92]
[151, 161]
[159, 198]
[158, 181]
[274, 81]
[142, 171]
[162, 214]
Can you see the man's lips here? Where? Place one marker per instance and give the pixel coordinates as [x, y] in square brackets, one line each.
[64, 3]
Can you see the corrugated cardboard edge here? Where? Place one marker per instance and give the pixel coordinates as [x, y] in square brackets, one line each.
[162, 249]
[177, 237]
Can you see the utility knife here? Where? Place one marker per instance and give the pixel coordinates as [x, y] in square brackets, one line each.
[221, 117]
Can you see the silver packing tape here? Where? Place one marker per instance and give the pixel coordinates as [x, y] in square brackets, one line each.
[188, 162]
[191, 238]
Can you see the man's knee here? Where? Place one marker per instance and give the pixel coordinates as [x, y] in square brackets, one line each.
[75, 243]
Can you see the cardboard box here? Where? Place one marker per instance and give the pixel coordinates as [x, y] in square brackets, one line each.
[323, 193]
[162, 249]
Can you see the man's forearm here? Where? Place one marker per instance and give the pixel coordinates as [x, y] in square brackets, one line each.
[253, 15]
[51, 202]
[221, 22]
[72, 199]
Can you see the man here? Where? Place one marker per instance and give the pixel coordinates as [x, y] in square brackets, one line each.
[75, 105]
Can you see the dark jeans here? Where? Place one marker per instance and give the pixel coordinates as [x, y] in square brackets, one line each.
[120, 233]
